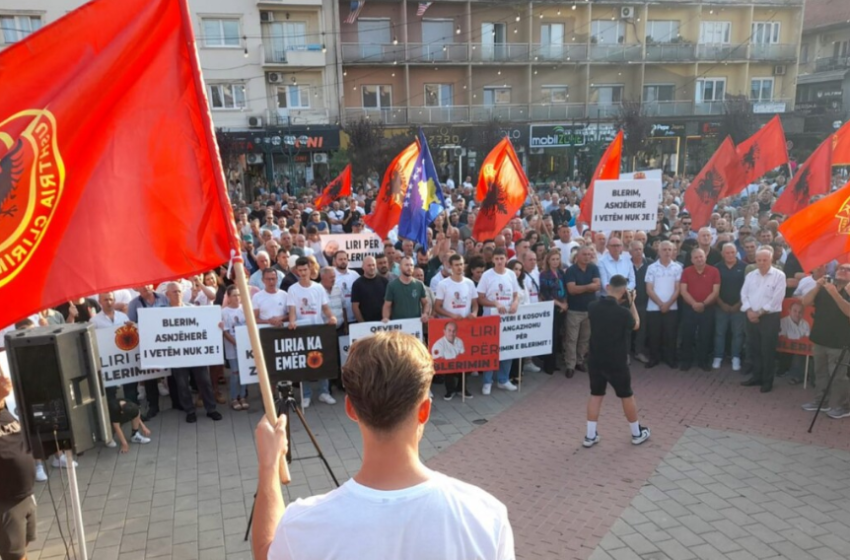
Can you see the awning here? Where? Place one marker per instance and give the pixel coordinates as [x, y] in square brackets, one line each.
[821, 77]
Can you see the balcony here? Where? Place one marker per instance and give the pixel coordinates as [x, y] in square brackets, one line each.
[303, 55]
[559, 53]
[670, 52]
[773, 52]
[391, 115]
[451, 114]
[285, 117]
[500, 52]
[615, 53]
[366, 53]
[668, 108]
[832, 63]
[435, 52]
[557, 111]
[604, 110]
[771, 107]
[709, 108]
[721, 53]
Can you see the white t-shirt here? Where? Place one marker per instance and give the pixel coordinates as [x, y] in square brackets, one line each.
[336, 215]
[663, 280]
[232, 318]
[437, 278]
[308, 303]
[566, 249]
[499, 288]
[457, 297]
[271, 305]
[101, 321]
[440, 519]
[345, 281]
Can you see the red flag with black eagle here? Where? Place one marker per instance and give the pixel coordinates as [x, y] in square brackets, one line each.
[841, 146]
[501, 191]
[109, 170]
[718, 179]
[392, 191]
[762, 152]
[607, 169]
[813, 178]
[820, 232]
[336, 189]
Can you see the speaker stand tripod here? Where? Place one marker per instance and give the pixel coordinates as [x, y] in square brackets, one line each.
[839, 365]
[285, 404]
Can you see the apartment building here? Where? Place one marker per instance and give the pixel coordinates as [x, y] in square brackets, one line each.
[270, 72]
[555, 74]
[823, 86]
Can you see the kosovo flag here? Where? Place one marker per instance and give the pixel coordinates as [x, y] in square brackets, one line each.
[424, 200]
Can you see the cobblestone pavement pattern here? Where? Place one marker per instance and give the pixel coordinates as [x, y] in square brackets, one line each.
[728, 473]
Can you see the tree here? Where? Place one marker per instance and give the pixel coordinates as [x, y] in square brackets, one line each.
[738, 120]
[636, 129]
[365, 140]
[484, 139]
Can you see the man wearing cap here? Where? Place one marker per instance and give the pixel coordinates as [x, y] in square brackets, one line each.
[561, 215]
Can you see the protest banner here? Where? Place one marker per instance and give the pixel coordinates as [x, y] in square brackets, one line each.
[643, 174]
[176, 337]
[247, 368]
[363, 330]
[528, 332]
[358, 246]
[459, 345]
[119, 357]
[795, 326]
[344, 345]
[304, 354]
[625, 205]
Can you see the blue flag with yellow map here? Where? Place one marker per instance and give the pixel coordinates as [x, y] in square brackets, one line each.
[424, 200]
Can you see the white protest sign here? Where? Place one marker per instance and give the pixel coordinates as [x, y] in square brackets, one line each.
[363, 330]
[245, 355]
[625, 205]
[357, 245]
[344, 345]
[644, 174]
[119, 357]
[11, 405]
[176, 337]
[528, 332]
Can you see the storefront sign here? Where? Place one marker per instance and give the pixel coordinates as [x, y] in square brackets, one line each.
[176, 337]
[667, 130]
[271, 139]
[528, 332]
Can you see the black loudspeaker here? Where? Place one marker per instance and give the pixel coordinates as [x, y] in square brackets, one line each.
[57, 386]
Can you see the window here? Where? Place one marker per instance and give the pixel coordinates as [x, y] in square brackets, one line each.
[221, 32]
[765, 33]
[658, 92]
[377, 97]
[439, 95]
[761, 89]
[493, 39]
[715, 33]
[556, 94]
[662, 31]
[497, 96]
[607, 31]
[293, 97]
[710, 89]
[15, 28]
[290, 34]
[804, 53]
[606, 95]
[227, 96]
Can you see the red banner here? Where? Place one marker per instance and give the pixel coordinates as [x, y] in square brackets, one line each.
[459, 345]
[795, 326]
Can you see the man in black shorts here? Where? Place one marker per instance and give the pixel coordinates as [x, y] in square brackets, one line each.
[611, 326]
[17, 474]
[123, 412]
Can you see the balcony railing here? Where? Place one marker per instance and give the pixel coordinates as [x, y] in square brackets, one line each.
[832, 63]
[561, 53]
[419, 115]
[302, 55]
[390, 115]
[500, 52]
[435, 52]
[709, 108]
[773, 52]
[670, 52]
[372, 52]
[615, 53]
[721, 53]
[557, 111]
[285, 117]
[668, 108]
[604, 110]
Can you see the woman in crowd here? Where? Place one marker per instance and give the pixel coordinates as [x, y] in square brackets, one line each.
[553, 288]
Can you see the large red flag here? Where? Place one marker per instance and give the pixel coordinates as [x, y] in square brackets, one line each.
[718, 179]
[336, 189]
[762, 152]
[109, 170]
[841, 146]
[820, 232]
[813, 178]
[501, 191]
[391, 195]
[607, 169]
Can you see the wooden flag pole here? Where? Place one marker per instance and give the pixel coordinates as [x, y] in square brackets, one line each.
[259, 360]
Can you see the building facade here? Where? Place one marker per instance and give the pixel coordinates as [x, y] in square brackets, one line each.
[555, 74]
[270, 73]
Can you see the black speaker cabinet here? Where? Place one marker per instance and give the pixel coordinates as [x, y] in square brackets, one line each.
[57, 385]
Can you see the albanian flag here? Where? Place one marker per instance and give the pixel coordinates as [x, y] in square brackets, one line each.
[109, 169]
[392, 192]
[820, 232]
[762, 152]
[607, 169]
[501, 192]
[718, 179]
[336, 189]
[841, 146]
[813, 178]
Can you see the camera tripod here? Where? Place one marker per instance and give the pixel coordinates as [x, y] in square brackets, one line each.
[839, 365]
[285, 404]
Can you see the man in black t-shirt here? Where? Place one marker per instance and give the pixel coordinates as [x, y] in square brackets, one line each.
[17, 473]
[367, 293]
[611, 327]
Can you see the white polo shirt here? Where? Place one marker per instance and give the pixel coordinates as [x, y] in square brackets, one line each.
[271, 305]
[663, 280]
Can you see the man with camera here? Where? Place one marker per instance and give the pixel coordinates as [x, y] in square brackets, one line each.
[374, 515]
[829, 336]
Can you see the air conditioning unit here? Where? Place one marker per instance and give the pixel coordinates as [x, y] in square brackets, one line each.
[274, 77]
[255, 159]
[627, 12]
[779, 70]
[255, 122]
[267, 17]
[320, 158]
